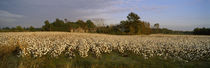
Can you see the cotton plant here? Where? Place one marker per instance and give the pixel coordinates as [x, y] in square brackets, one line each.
[38, 44]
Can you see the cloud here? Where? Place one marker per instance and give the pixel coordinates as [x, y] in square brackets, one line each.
[153, 8]
[113, 11]
[9, 15]
[71, 8]
[74, 9]
[40, 10]
[6, 18]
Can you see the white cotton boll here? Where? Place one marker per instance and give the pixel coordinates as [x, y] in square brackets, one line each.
[56, 43]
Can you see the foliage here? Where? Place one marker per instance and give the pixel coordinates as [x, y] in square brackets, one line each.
[109, 30]
[31, 28]
[60, 25]
[156, 26]
[201, 31]
[133, 25]
[112, 60]
[19, 28]
[157, 30]
[47, 26]
[90, 24]
[168, 31]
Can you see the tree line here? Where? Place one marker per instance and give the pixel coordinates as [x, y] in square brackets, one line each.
[60, 25]
[201, 31]
[132, 26]
[19, 29]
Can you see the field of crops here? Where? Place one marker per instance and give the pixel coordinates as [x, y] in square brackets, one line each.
[183, 48]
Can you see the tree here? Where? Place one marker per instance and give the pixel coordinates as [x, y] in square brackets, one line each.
[31, 28]
[147, 26]
[99, 22]
[72, 25]
[90, 24]
[156, 26]
[133, 17]
[6, 28]
[201, 31]
[19, 28]
[124, 25]
[82, 24]
[65, 20]
[133, 25]
[46, 27]
[58, 23]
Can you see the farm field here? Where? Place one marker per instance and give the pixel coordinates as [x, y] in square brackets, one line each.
[89, 50]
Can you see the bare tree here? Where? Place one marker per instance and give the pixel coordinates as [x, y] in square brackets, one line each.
[156, 26]
[65, 20]
[99, 21]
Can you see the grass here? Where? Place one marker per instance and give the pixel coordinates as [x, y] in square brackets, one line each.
[9, 59]
[112, 60]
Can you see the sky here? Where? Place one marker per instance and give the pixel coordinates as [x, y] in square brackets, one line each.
[172, 14]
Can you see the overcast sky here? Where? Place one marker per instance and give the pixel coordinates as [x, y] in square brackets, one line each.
[172, 14]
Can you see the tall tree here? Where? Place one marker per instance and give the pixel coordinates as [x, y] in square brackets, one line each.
[90, 24]
[156, 26]
[58, 23]
[133, 17]
[19, 28]
[133, 25]
[47, 26]
[31, 28]
[82, 24]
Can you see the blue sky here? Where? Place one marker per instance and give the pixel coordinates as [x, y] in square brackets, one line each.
[172, 14]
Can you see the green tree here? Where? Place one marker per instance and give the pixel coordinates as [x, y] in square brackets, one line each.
[58, 23]
[47, 26]
[133, 17]
[201, 31]
[156, 26]
[133, 25]
[19, 28]
[31, 28]
[6, 28]
[82, 24]
[90, 24]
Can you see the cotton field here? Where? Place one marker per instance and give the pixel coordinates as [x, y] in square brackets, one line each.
[38, 44]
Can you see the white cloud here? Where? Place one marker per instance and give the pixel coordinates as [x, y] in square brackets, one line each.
[40, 10]
[9, 15]
[6, 18]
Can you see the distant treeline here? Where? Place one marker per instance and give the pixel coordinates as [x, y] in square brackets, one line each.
[78, 26]
[20, 29]
[132, 26]
[201, 31]
[168, 31]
